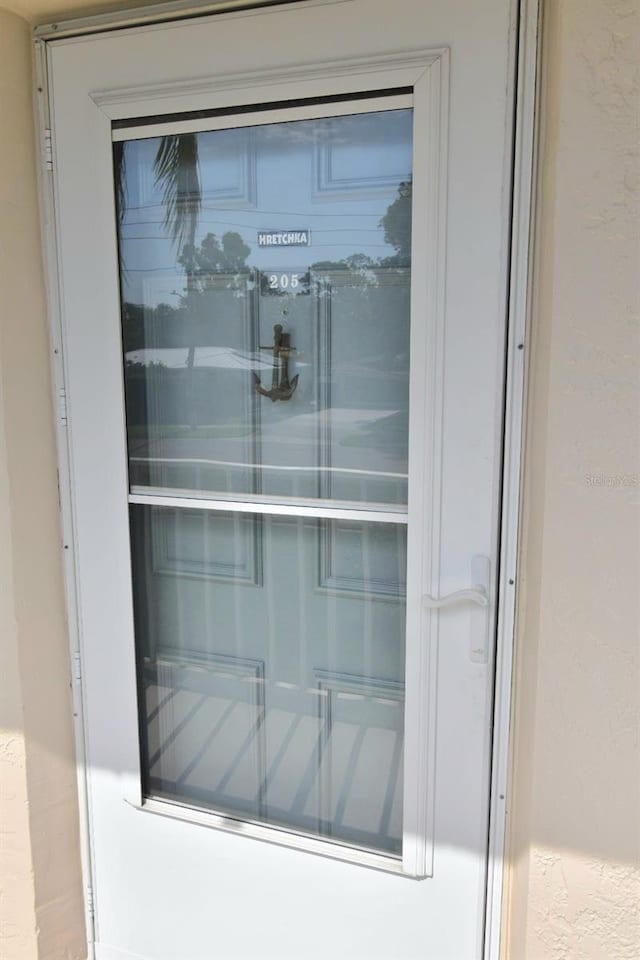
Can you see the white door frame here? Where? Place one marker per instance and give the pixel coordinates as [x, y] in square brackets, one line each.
[527, 15]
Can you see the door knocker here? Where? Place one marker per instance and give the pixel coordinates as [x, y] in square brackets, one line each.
[281, 387]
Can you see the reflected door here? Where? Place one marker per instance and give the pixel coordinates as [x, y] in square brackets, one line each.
[283, 255]
[269, 365]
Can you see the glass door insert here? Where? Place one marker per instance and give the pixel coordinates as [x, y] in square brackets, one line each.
[265, 283]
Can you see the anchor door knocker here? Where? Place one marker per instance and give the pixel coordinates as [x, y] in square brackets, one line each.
[281, 387]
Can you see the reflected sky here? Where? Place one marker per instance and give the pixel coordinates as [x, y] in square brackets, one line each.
[271, 648]
[336, 177]
[211, 404]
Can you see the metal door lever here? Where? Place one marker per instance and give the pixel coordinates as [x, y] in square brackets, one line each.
[477, 595]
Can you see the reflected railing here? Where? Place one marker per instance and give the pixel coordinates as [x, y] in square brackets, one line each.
[205, 490]
[214, 742]
[272, 664]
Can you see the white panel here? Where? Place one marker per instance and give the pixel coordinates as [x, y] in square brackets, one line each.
[209, 546]
[368, 560]
[333, 163]
[235, 166]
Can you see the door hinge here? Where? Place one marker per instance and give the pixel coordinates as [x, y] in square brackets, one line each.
[76, 683]
[76, 665]
[62, 406]
[91, 916]
[47, 150]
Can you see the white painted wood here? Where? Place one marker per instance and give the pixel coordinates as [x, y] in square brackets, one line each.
[458, 842]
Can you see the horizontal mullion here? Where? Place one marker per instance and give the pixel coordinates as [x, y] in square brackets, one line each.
[325, 509]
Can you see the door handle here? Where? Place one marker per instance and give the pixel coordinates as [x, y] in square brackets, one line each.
[478, 595]
[471, 595]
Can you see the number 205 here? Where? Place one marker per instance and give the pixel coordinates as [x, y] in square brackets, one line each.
[283, 281]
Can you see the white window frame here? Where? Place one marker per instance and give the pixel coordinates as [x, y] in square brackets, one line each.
[426, 72]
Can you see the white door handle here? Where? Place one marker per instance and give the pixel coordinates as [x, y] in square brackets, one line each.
[478, 594]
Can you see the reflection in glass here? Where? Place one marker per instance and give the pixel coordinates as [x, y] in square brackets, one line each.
[271, 665]
[206, 287]
[265, 276]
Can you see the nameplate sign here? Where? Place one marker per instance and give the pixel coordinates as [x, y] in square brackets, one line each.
[284, 238]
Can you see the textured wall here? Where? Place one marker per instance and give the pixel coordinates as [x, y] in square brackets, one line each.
[40, 868]
[575, 830]
[17, 892]
[48, 11]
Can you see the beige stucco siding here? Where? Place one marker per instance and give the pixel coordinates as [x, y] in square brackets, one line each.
[17, 894]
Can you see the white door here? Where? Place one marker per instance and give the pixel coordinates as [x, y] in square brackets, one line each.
[283, 239]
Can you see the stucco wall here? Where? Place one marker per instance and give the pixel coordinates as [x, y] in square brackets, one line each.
[575, 803]
[40, 885]
[573, 882]
[17, 894]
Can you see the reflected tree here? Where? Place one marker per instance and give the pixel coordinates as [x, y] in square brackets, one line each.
[396, 224]
[177, 175]
[214, 256]
[178, 181]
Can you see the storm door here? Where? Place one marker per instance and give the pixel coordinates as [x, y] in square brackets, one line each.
[282, 254]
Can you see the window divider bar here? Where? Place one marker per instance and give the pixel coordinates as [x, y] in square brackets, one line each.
[286, 508]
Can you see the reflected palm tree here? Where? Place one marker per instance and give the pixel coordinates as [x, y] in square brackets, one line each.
[176, 174]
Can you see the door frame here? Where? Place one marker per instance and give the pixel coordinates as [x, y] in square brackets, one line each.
[526, 22]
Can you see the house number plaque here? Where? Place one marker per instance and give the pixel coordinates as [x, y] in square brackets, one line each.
[275, 283]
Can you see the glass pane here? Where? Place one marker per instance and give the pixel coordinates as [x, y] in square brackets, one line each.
[265, 303]
[271, 666]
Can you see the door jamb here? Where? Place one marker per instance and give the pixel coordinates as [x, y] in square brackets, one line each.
[528, 14]
[526, 116]
[49, 242]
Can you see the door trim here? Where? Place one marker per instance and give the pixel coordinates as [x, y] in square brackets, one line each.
[335, 77]
[521, 284]
[526, 24]
[157, 13]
